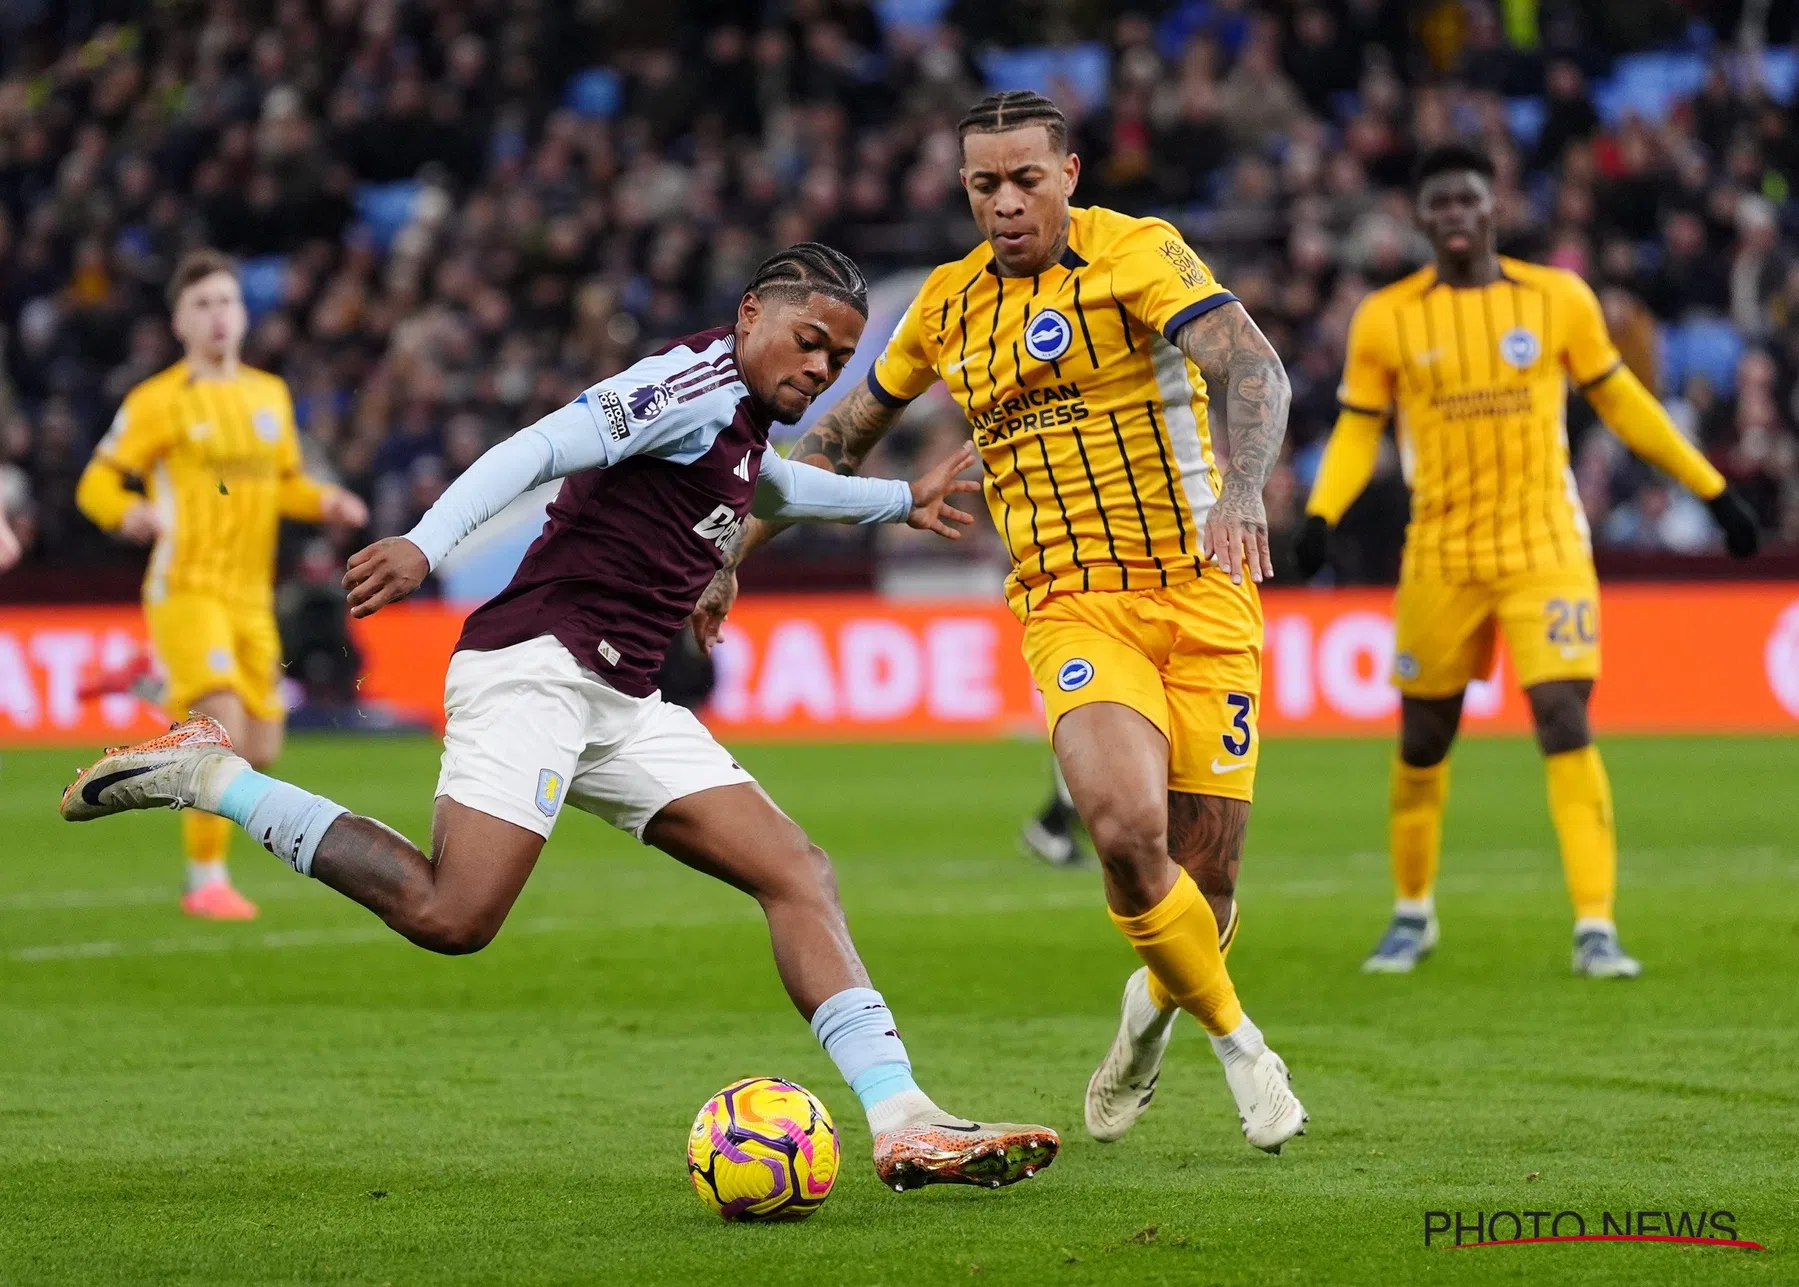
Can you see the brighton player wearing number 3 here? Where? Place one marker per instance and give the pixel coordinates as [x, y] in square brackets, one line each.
[1085, 348]
[551, 699]
[1473, 356]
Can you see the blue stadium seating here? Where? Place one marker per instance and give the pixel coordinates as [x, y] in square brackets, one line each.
[262, 280]
[595, 92]
[1709, 347]
[385, 208]
[1084, 70]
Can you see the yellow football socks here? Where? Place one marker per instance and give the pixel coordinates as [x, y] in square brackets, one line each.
[1580, 804]
[1158, 995]
[1415, 826]
[205, 837]
[1178, 940]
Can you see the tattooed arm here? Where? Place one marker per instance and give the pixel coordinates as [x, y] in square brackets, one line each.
[1244, 375]
[841, 440]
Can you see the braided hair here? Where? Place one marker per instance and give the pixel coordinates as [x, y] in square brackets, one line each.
[811, 268]
[1015, 109]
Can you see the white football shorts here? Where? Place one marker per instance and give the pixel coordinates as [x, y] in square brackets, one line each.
[530, 729]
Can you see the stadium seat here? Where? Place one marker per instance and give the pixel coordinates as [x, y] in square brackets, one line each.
[1083, 70]
[595, 92]
[909, 15]
[1708, 347]
[386, 208]
[1524, 117]
[263, 280]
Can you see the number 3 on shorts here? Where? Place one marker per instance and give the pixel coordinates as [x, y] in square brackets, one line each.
[1237, 744]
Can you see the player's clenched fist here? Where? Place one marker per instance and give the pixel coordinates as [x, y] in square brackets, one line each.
[384, 573]
[929, 512]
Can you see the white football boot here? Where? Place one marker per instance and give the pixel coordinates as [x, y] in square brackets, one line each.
[164, 773]
[1125, 1081]
[1271, 1114]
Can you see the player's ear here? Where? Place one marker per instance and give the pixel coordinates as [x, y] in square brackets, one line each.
[1071, 173]
[749, 308]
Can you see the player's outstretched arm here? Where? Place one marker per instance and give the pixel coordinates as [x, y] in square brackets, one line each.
[1240, 364]
[792, 490]
[840, 442]
[1632, 412]
[1349, 460]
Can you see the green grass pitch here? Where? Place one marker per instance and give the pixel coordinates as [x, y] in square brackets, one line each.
[309, 1099]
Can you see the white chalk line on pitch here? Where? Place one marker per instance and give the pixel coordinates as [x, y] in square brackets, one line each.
[1772, 862]
[1772, 865]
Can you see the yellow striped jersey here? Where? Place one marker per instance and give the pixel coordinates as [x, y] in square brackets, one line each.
[221, 460]
[1478, 381]
[1091, 424]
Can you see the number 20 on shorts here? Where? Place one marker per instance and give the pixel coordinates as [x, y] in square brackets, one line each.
[1571, 621]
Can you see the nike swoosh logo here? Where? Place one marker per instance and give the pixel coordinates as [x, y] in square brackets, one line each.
[954, 367]
[91, 791]
[1229, 768]
[966, 1130]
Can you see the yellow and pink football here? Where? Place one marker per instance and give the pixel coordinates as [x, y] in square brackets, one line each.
[763, 1149]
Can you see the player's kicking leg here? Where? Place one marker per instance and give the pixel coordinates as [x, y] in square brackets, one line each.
[737, 834]
[1116, 763]
[1417, 796]
[455, 901]
[1580, 805]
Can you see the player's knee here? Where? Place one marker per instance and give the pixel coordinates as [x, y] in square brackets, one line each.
[1423, 748]
[1560, 713]
[1129, 840]
[807, 877]
[448, 932]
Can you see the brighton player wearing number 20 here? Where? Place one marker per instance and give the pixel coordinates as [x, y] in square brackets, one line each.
[1472, 356]
[551, 700]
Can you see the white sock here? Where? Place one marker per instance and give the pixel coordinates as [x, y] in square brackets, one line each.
[202, 874]
[215, 775]
[1143, 1021]
[903, 1109]
[280, 817]
[1425, 907]
[1243, 1044]
[1587, 924]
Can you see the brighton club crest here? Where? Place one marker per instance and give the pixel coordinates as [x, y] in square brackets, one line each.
[1048, 336]
[1520, 348]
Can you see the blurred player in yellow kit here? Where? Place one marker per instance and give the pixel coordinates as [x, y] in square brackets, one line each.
[213, 446]
[1472, 357]
[1086, 349]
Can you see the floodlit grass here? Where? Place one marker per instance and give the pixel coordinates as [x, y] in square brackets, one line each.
[310, 1099]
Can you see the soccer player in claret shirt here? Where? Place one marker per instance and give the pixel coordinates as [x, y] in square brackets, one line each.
[551, 699]
[1472, 357]
[1084, 346]
[212, 444]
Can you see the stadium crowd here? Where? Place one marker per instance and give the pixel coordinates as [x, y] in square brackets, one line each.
[453, 216]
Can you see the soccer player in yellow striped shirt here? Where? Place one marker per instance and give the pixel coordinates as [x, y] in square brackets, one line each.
[1085, 348]
[212, 444]
[1472, 358]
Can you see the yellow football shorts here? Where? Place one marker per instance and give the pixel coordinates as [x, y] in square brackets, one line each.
[1445, 634]
[209, 646]
[1187, 658]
